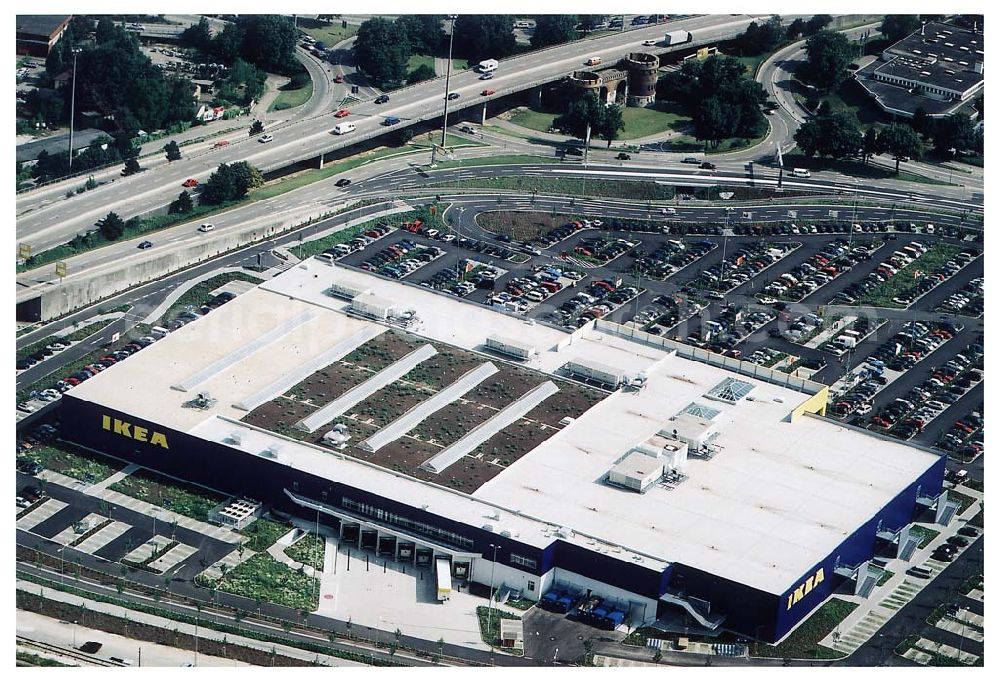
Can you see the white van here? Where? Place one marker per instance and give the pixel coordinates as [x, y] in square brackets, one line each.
[342, 128]
[800, 172]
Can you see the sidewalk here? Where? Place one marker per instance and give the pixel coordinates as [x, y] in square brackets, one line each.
[162, 622]
[873, 612]
[113, 479]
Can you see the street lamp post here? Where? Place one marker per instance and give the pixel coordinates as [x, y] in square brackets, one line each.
[493, 569]
[447, 86]
[72, 107]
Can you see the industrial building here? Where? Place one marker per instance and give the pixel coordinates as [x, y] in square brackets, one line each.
[689, 485]
[38, 33]
[936, 68]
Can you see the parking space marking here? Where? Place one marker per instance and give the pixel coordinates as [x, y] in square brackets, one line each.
[103, 537]
[40, 514]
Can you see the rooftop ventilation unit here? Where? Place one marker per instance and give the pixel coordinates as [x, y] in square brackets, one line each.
[235, 439]
[271, 451]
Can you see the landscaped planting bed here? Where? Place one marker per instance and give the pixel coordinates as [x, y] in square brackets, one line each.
[802, 643]
[262, 533]
[309, 549]
[455, 420]
[523, 226]
[183, 498]
[572, 401]
[442, 369]
[926, 535]
[271, 581]
[937, 255]
[73, 461]
[382, 351]
[390, 403]
[489, 626]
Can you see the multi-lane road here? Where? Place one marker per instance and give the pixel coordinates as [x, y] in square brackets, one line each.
[305, 138]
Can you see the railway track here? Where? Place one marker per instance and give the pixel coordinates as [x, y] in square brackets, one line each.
[65, 652]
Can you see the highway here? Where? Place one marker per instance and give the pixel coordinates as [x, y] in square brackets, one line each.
[58, 222]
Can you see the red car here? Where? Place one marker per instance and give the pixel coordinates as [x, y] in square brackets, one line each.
[221, 143]
[488, 92]
[342, 113]
[190, 182]
[339, 78]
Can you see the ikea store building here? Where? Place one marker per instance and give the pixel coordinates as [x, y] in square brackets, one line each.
[696, 487]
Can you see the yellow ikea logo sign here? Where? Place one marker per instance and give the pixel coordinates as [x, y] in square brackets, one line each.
[803, 590]
[131, 431]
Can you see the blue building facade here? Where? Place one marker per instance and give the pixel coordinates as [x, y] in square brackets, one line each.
[749, 611]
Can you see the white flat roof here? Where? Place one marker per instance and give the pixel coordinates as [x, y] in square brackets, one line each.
[776, 498]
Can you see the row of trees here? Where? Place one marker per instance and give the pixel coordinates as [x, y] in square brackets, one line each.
[721, 100]
[266, 41]
[114, 77]
[102, 151]
[760, 39]
[838, 135]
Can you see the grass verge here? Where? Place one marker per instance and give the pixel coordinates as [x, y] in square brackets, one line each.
[489, 627]
[292, 97]
[73, 461]
[624, 189]
[856, 169]
[883, 295]
[75, 336]
[199, 293]
[803, 642]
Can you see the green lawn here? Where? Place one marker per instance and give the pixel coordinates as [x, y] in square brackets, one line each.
[533, 119]
[181, 497]
[73, 461]
[500, 160]
[262, 577]
[289, 99]
[802, 642]
[332, 34]
[416, 61]
[639, 122]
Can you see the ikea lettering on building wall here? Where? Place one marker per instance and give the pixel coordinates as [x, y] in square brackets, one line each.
[133, 431]
[803, 590]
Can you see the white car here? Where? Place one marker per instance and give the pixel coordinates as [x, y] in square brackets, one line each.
[648, 43]
[265, 138]
[206, 227]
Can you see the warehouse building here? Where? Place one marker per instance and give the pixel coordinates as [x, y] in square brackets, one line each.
[697, 485]
[937, 69]
[38, 33]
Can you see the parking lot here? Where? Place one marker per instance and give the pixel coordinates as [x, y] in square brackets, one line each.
[747, 289]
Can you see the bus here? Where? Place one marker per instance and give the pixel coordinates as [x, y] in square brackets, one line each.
[443, 566]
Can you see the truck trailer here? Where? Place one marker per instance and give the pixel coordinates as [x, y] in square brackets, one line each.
[677, 37]
[443, 567]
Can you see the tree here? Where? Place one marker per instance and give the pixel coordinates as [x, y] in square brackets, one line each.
[795, 29]
[423, 31]
[230, 182]
[901, 141]
[711, 121]
[553, 29]
[256, 127]
[808, 138]
[954, 134]
[106, 30]
[589, 22]
[484, 36]
[828, 56]
[580, 113]
[227, 45]
[611, 123]
[269, 42]
[172, 150]
[47, 105]
[382, 51]
[871, 145]
[198, 36]
[760, 39]
[921, 121]
[112, 228]
[182, 204]
[423, 72]
[895, 27]
[817, 24]
[131, 166]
